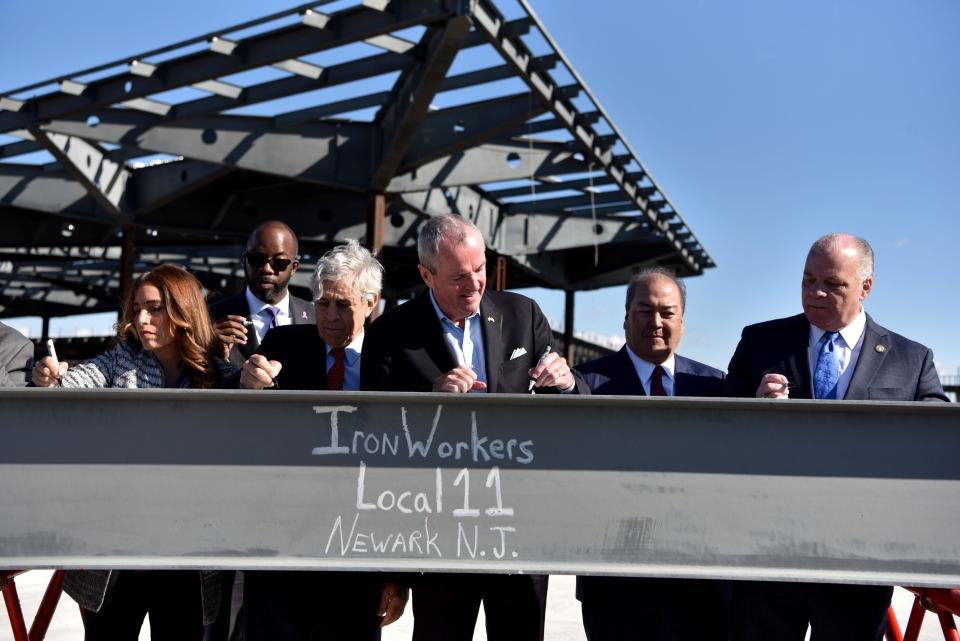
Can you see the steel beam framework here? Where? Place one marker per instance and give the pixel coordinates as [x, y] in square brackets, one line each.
[442, 105]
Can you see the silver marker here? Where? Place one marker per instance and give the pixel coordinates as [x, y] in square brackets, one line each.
[533, 381]
[51, 350]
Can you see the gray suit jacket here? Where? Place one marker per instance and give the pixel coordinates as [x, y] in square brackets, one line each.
[890, 367]
[16, 357]
[301, 312]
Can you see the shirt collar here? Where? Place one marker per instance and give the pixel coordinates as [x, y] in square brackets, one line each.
[352, 351]
[645, 368]
[256, 305]
[443, 317]
[851, 333]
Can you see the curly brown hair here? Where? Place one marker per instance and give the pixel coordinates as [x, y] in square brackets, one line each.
[182, 294]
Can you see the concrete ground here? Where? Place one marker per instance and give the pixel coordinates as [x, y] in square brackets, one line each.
[563, 614]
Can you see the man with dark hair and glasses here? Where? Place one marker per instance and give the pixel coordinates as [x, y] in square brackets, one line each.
[269, 260]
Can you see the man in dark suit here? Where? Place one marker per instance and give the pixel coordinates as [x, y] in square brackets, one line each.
[321, 606]
[461, 338]
[269, 261]
[16, 357]
[626, 607]
[834, 350]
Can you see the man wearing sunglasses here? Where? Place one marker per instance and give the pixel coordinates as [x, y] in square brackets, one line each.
[269, 261]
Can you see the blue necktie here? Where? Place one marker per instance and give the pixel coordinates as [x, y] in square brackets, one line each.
[827, 372]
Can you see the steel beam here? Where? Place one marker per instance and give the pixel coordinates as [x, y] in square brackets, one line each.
[708, 488]
[333, 154]
[398, 122]
[347, 26]
[102, 178]
[494, 162]
[450, 131]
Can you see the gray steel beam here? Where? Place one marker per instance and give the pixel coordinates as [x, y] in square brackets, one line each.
[155, 186]
[104, 179]
[450, 131]
[350, 25]
[333, 154]
[398, 122]
[30, 187]
[492, 74]
[569, 202]
[500, 161]
[600, 180]
[708, 488]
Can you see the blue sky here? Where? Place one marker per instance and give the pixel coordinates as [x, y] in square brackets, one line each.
[767, 123]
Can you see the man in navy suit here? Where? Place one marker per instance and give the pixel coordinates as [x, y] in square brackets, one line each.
[461, 338]
[834, 350]
[616, 608]
[321, 606]
[269, 261]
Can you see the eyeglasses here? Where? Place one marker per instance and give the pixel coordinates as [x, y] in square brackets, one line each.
[259, 260]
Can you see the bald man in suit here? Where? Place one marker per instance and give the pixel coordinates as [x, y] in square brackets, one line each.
[833, 351]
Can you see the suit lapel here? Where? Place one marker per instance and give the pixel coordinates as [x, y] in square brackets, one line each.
[796, 366]
[625, 381]
[492, 326]
[869, 361]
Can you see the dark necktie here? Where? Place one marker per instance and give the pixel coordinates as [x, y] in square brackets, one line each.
[656, 382]
[827, 372]
[338, 370]
[273, 311]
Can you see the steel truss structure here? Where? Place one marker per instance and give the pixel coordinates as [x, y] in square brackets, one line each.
[344, 119]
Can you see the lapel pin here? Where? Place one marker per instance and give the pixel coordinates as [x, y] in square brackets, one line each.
[880, 349]
[491, 319]
[303, 315]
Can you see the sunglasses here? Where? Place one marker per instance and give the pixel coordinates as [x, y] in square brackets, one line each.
[259, 260]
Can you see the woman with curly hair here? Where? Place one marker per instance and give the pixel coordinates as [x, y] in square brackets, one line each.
[165, 338]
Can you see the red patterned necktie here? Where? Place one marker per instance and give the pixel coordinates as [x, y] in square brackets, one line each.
[656, 382]
[337, 370]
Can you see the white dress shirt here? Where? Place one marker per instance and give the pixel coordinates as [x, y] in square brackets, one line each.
[465, 343]
[261, 316]
[351, 363]
[847, 348]
[645, 372]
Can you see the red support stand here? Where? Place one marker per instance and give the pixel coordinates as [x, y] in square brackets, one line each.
[48, 605]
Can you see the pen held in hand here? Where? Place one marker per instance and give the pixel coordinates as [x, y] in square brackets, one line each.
[51, 350]
[533, 381]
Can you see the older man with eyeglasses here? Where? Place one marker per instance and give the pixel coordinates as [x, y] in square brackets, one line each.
[269, 261]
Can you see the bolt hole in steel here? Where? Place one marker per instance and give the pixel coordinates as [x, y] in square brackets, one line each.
[208, 136]
[396, 220]
[598, 229]
[128, 86]
[513, 160]
[458, 127]
[93, 121]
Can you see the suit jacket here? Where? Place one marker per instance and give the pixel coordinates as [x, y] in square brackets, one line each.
[237, 305]
[16, 357]
[301, 352]
[404, 350]
[615, 375]
[890, 367]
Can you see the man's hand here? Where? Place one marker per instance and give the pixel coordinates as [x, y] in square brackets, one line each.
[460, 380]
[258, 372]
[552, 371]
[47, 372]
[774, 386]
[231, 330]
[393, 599]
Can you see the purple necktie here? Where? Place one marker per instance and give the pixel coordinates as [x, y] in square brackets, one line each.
[273, 311]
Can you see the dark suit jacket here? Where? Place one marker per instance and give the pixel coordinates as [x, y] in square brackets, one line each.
[302, 354]
[16, 357]
[404, 350]
[301, 313]
[615, 375]
[890, 367]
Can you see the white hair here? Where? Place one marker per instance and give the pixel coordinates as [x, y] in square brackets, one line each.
[349, 263]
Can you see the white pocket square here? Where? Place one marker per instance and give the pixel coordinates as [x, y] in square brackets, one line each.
[517, 353]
